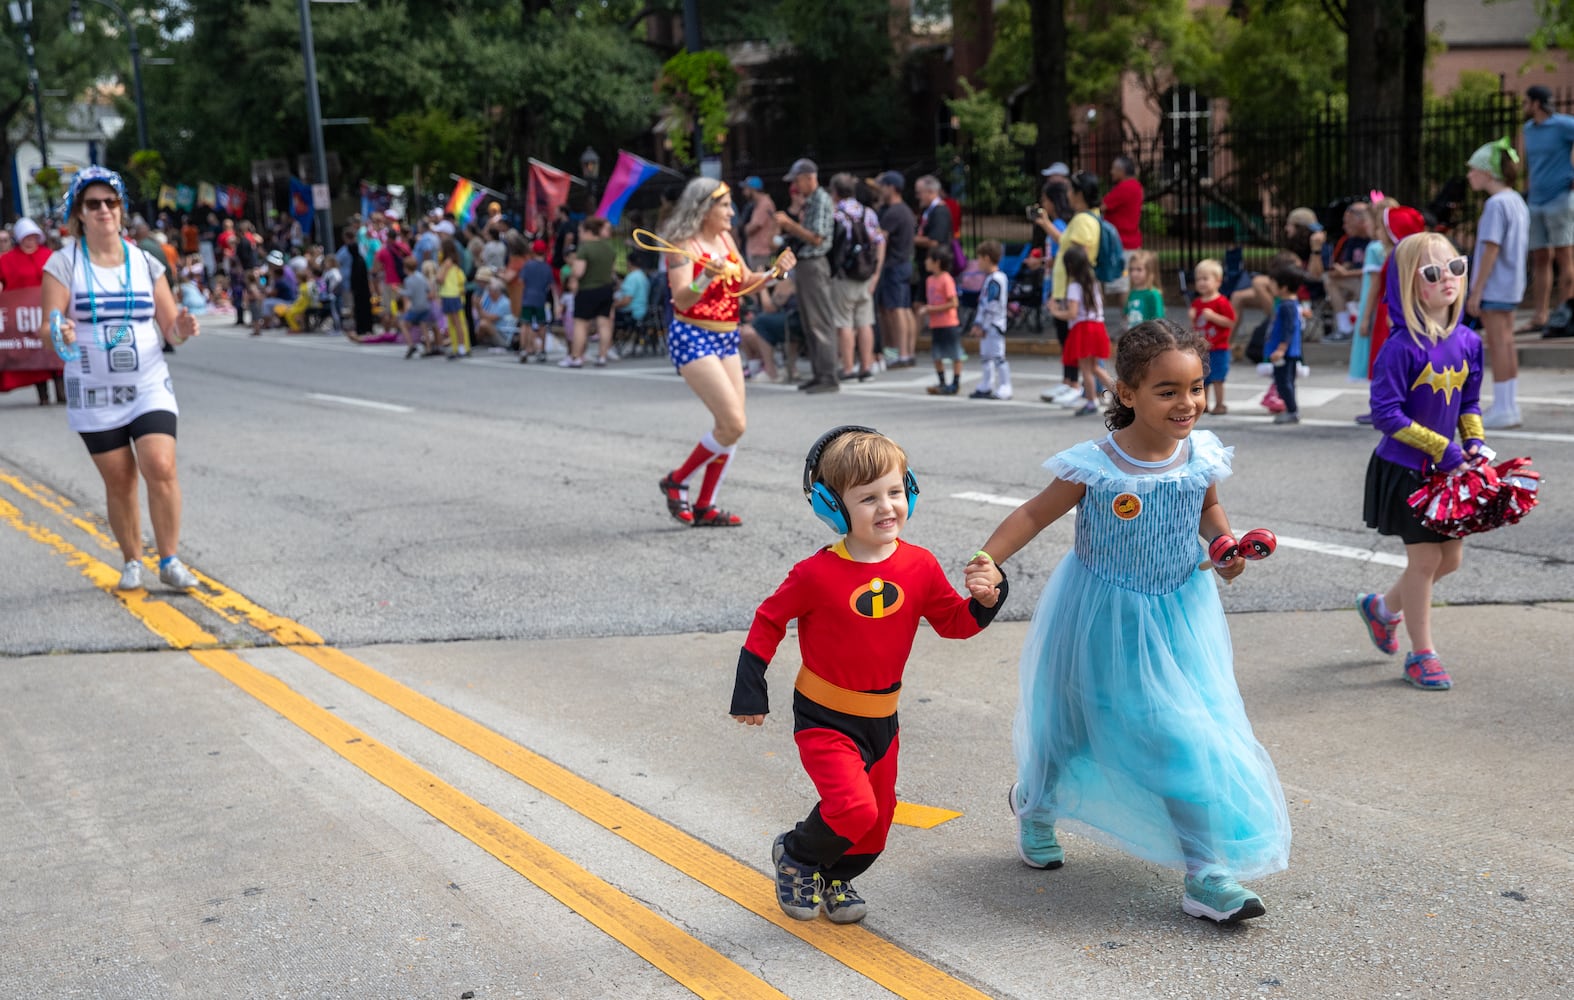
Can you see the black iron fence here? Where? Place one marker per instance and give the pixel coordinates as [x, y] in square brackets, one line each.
[1211, 190]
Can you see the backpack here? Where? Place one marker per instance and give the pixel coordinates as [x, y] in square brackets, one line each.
[1111, 263]
[853, 255]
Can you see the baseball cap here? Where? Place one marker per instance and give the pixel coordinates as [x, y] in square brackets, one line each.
[445, 227]
[1056, 169]
[803, 165]
[538, 247]
[1539, 94]
[493, 208]
[24, 228]
[754, 182]
[892, 178]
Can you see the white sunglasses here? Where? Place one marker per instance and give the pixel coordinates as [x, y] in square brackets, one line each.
[1433, 273]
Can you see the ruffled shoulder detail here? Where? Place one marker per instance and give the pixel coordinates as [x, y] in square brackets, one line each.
[1089, 465]
[1210, 458]
[1083, 463]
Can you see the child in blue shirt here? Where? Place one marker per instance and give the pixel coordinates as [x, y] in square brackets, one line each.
[1283, 346]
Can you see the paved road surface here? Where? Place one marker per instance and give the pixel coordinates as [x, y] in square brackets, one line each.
[448, 715]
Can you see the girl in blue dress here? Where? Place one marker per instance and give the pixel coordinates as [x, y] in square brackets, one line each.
[1131, 728]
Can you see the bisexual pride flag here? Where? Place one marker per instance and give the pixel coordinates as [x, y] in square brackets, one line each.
[462, 203]
[630, 173]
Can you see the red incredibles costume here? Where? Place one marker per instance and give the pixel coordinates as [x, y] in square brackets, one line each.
[856, 623]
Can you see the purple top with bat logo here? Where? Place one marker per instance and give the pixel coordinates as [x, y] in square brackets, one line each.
[1422, 392]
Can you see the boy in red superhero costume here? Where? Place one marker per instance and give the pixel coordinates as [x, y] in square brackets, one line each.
[857, 603]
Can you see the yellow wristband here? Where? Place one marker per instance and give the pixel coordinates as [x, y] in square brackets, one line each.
[986, 555]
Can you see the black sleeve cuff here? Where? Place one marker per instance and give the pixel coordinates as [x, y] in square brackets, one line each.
[982, 615]
[748, 691]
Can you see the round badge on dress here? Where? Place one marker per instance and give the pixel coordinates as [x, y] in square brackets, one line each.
[1127, 506]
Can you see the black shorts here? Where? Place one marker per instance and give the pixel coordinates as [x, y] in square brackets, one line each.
[593, 303]
[152, 422]
[1388, 484]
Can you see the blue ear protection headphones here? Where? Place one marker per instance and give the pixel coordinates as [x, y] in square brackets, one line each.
[823, 500]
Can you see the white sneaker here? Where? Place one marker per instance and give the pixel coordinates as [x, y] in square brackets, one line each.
[131, 576]
[175, 574]
[1074, 402]
[1498, 420]
[1064, 392]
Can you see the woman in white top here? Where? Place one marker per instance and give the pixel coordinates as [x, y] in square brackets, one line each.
[108, 299]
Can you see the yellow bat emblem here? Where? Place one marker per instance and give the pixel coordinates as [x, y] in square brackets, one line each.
[1445, 381]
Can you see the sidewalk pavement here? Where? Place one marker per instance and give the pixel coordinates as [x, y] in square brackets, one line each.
[1534, 351]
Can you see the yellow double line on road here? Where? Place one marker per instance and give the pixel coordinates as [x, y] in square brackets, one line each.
[687, 960]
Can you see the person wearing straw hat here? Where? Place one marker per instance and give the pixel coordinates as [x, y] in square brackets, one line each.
[1498, 272]
[119, 396]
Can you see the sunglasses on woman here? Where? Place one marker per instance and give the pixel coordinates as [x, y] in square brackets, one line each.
[1433, 273]
[94, 204]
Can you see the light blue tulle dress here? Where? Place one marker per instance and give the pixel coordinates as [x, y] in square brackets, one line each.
[1131, 729]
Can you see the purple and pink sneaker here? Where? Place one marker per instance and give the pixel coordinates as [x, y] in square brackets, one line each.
[1384, 631]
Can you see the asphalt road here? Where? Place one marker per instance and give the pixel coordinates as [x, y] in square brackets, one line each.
[320, 777]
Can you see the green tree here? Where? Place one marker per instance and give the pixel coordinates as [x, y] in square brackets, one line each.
[526, 78]
[698, 87]
[992, 148]
[1557, 25]
[65, 62]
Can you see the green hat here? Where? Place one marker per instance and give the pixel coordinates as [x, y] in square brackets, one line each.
[1489, 158]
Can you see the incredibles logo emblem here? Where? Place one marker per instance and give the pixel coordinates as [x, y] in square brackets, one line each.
[1127, 506]
[877, 599]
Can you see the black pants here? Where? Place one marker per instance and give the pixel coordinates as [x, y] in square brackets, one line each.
[1284, 381]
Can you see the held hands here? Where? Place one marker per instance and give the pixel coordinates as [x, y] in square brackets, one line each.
[982, 578]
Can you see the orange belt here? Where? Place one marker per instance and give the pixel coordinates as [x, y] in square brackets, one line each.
[864, 704]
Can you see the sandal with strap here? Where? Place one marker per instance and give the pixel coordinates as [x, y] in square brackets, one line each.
[677, 498]
[715, 517]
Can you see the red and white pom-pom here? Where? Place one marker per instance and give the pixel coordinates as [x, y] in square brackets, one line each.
[1477, 496]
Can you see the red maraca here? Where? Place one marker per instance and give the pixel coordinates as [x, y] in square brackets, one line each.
[1257, 543]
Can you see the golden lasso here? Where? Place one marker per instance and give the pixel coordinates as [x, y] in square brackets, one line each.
[726, 270]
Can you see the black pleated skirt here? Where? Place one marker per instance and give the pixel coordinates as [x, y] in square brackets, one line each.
[1388, 484]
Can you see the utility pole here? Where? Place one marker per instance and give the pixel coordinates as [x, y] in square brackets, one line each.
[324, 234]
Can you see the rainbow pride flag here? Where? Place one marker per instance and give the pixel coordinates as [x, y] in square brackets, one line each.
[630, 173]
[462, 203]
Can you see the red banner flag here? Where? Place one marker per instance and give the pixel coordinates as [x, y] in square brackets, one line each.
[24, 337]
[547, 189]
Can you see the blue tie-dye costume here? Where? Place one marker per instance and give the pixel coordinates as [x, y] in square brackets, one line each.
[1131, 728]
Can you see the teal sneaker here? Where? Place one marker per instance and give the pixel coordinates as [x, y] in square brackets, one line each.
[1036, 843]
[843, 905]
[1220, 898]
[799, 891]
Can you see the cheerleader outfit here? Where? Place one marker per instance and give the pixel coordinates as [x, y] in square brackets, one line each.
[1422, 392]
[119, 388]
[1131, 729]
[710, 325]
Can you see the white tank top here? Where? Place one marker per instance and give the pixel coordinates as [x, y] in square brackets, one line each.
[121, 373]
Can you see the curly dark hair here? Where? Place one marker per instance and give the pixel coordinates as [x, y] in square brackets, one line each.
[1138, 347]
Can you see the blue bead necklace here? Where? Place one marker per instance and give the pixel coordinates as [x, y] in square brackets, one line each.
[92, 299]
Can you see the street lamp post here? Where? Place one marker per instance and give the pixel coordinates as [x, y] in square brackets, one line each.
[78, 25]
[314, 122]
[22, 17]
